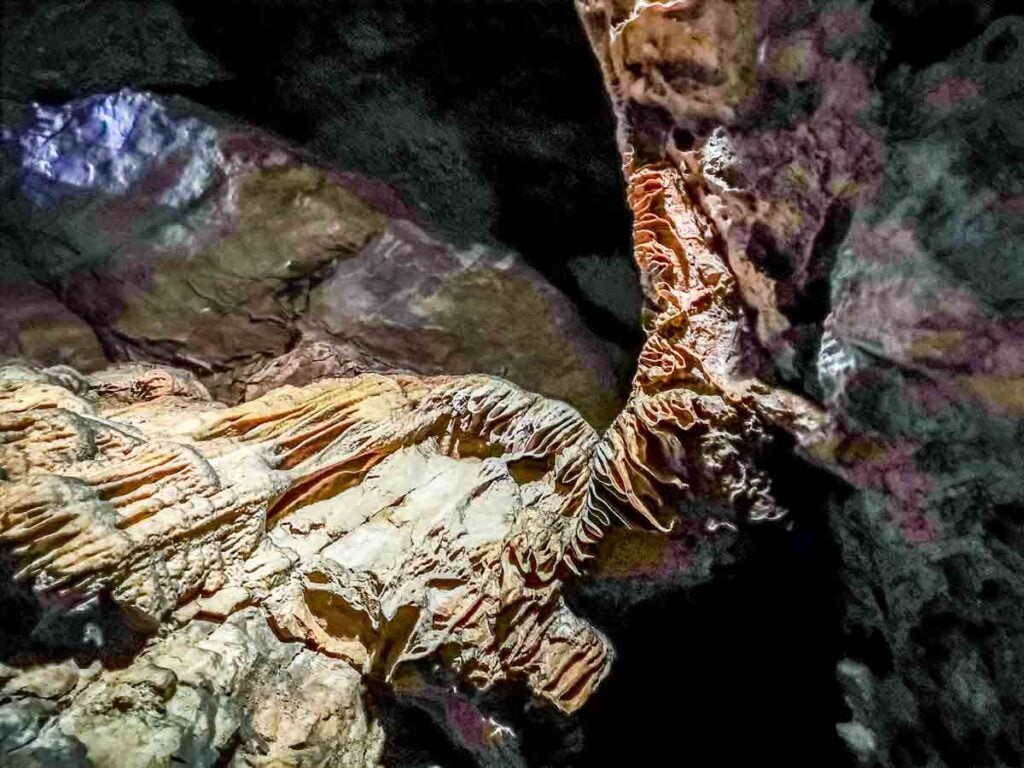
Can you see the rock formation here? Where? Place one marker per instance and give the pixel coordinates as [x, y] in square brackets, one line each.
[156, 231]
[418, 529]
[782, 158]
[826, 225]
[382, 521]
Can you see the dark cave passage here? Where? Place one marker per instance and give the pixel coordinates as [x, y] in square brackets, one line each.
[737, 670]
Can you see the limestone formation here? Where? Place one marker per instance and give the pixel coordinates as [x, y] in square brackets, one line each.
[822, 197]
[827, 229]
[393, 520]
[380, 520]
[401, 524]
[704, 402]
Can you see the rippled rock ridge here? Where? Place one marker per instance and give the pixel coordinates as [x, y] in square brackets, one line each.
[316, 444]
[857, 174]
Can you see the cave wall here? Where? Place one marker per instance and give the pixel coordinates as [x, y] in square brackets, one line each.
[800, 537]
[488, 117]
[855, 165]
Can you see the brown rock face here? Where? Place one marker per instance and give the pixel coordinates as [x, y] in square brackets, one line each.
[232, 255]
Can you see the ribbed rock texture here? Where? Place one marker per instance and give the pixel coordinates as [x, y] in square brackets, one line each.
[409, 530]
[853, 197]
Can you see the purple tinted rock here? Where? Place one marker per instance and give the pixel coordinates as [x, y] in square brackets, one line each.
[108, 142]
[231, 253]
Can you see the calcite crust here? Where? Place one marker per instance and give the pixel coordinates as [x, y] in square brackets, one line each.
[377, 519]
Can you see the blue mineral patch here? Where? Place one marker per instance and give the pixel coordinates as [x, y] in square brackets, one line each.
[106, 143]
